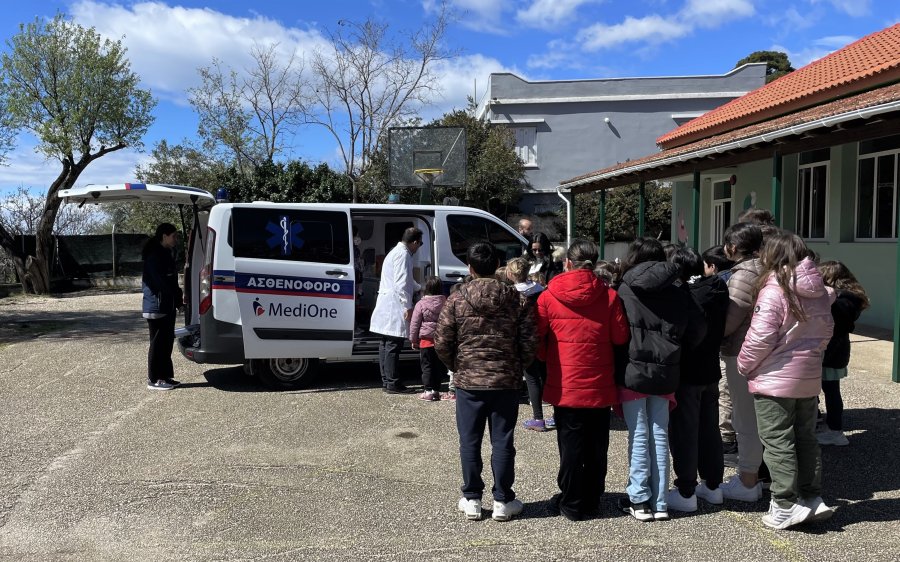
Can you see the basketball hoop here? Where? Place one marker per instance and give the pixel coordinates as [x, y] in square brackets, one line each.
[428, 175]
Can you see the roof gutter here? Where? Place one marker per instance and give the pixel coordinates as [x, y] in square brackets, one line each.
[742, 143]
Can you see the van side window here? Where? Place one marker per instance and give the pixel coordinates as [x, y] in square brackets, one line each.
[465, 230]
[292, 235]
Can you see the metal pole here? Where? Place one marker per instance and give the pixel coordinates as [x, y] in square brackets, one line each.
[695, 212]
[895, 376]
[602, 213]
[114, 250]
[776, 187]
[642, 206]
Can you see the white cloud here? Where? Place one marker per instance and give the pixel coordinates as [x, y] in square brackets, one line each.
[712, 13]
[650, 29]
[791, 20]
[834, 41]
[457, 79]
[548, 14]
[854, 8]
[818, 48]
[167, 44]
[479, 15]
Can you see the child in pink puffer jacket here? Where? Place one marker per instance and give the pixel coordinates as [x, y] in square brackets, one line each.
[421, 336]
[781, 357]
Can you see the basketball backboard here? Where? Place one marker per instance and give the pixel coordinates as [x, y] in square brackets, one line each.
[417, 154]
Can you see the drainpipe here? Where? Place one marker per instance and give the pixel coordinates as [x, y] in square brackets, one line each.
[570, 216]
[895, 376]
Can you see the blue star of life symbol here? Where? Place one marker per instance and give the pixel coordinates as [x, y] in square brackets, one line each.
[285, 234]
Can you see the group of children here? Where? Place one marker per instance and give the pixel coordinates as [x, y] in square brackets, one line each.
[645, 338]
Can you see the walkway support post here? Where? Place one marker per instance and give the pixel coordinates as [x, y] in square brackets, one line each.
[602, 220]
[695, 212]
[642, 207]
[895, 372]
[776, 187]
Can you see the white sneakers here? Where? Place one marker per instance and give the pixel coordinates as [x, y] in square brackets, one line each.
[832, 437]
[734, 489]
[506, 511]
[818, 510]
[676, 501]
[502, 511]
[782, 518]
[472, 508]
[714, 497]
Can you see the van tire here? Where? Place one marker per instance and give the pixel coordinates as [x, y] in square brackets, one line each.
[285, 374]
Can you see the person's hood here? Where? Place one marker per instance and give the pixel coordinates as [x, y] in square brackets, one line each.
[577, 288]
[529, 288]
[808, 281]
[652, 276]
[487, 295]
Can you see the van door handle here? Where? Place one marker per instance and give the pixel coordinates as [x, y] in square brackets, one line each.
[456, 275]
[336, 272]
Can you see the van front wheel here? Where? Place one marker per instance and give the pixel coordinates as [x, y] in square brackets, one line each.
[285, 374]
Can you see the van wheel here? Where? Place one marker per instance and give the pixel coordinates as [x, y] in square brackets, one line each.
[285, 374]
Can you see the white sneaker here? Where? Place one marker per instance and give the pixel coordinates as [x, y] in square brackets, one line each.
[832, 437]
[734, 489]
[472, 509]
[781, 518]
[819, 511]
[506, 511]
[680, 503]
[710, 496]
[159, 385]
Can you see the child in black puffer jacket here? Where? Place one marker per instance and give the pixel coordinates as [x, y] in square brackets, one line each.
[850, 302]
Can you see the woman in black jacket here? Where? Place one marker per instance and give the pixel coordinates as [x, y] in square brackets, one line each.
[162, 297]
[540, 254]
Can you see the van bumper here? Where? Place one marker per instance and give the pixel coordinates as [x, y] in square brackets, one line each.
[211, 341]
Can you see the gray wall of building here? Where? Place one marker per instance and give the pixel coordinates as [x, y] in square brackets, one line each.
[572, 136]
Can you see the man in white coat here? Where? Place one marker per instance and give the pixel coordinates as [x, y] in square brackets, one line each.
[393, 308]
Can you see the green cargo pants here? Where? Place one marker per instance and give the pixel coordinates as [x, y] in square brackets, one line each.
[787, 431]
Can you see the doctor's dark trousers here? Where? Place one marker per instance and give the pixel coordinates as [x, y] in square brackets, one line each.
[389, 361]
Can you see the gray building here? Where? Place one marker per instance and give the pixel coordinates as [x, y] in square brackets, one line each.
[564, 128]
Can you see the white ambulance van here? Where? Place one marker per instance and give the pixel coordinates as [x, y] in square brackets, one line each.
[273, 285]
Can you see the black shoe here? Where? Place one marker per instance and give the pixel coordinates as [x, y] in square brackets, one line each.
[173, 382]
[399, 390]
[640, 511]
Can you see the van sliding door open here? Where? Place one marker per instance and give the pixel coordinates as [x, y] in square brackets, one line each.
[294, 280]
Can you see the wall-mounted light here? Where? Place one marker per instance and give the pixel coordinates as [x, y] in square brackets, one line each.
[606, 119]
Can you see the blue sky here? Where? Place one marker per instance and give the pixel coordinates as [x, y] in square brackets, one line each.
[537, 39]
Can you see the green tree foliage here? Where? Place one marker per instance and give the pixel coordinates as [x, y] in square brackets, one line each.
[777, 63]
[622, 213]
[76, 93]
[296, 181]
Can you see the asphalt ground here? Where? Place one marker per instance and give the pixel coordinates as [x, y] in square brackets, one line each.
[95, 467]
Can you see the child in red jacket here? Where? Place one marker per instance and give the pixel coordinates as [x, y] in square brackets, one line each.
[579, 319]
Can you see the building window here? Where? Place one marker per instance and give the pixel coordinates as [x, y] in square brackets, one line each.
[526, 145]
[812, 198]
[876, 189]
[721, 210]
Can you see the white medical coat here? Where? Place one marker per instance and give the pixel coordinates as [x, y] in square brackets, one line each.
[395, 294]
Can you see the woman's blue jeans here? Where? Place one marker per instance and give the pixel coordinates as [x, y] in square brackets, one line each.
[648, 450]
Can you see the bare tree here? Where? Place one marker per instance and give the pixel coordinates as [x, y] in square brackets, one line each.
[21, 212]
[366, 82]
[250, 117]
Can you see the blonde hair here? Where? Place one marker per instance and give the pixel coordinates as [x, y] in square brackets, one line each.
[537, 277]
[517, 270]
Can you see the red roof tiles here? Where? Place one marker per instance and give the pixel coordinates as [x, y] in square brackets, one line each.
[872, 61]
[859, 102]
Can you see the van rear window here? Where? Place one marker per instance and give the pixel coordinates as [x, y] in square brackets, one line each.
[292, 235]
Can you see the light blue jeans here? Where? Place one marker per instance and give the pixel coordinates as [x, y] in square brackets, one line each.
[648, 450]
